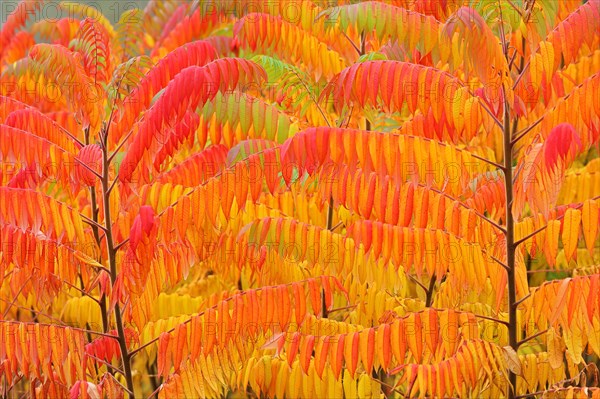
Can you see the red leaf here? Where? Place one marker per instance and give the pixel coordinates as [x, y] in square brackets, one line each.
[90, 156]
[563, 142]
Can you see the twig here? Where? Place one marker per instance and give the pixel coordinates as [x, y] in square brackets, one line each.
[330, 214]
[497, 165]
[352, 43]
[492, 319]
[515, 7]
[121, 385]
[91, 222]
[517, 303]
[498, 261]
[534, 336]
[483, 104]
[118, 370]
[342, 308]
[522, 134]
[81, 290]
[312, 97]
[386, 385]
[429, 296]
[528, 236]
[87, 167]
[57, 325]
[119, 245]
[337, 225]
[420, 284]
[121, 144]
[16, 296]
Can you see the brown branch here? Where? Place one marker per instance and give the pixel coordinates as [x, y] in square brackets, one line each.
[480, 215]
[214, 307]
[515, 7]
[118, 370]
[522, 134]
[119, 245]
[342, 308]
[81, 291]
[153, 394]
[517, 303]
[88, 168]
[580, 205]
[523, 69]
[352, 43]
[84, 330]
[119, 146]
[386, 385]
[16, 296]
[337, 225]
[330, 214]
[492, 319]
[113, 184]
[484, 106]
[498, 261]
[112, 261]
[497, 165]
[429, 296]
[528, 236]
[559, 388]
[510, 246]
[512, 59]
[534, 336]
[420, 284]
[121, 385]
[502, 33]
[312, 97]
[75, 139]
[92, 222]
[521, 75]
[95, 213]
[204, 183]
[14, 383]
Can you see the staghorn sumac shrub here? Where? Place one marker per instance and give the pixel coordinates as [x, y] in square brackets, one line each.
[300, 199]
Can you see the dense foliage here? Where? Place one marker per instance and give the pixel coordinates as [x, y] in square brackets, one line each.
[300, 199]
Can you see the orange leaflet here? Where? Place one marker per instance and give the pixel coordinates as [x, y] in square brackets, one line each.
[321, 353]
[293, 347]
[306, 348]
[351, 352]
[383, 346]
[164, 354]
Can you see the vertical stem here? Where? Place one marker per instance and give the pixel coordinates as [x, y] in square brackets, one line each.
[154, 378]
[112, 261]
[330, 214]
[95, 212]
[510, 223]
[510, 246]
[103, 307]
[104, 313]
[363, 42]
[324, 312]
[429, 298]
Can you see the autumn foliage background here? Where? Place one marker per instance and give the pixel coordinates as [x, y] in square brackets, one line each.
[300, 199]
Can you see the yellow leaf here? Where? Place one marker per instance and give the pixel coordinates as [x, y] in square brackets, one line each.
[570, 231]
[364, 386]
[551, 245]
[531, 371]
[349, 383]
[560, 300]
[590, 223]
